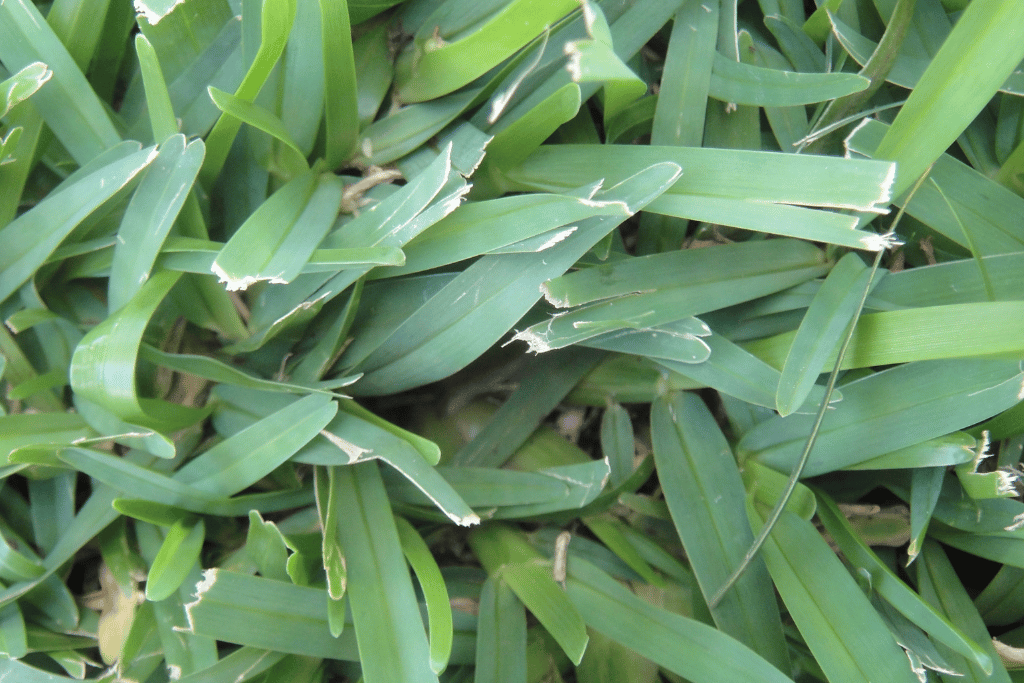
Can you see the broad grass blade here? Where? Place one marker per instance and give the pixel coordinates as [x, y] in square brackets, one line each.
[846, 635]
[705, 495]
[279, 238]
[69, 105]
[150, 216]
[31, 237]
[501, 634]
[435, 594]
[821, 331]
[683, 646]
[393, 646]
[939, 584]
[178, 553]
[889, 587]
[888, 410]
[953, 89]
[340, 90]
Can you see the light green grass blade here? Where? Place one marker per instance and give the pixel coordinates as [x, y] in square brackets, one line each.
[271, 245]
[393, 646]
[888, 410]
[977, 201]
[953, 89]
[916, 334]
[158, 100]
[437, 66]
[103, 366]
[501, 635]
[704, 492]
[683, 646]
[21, 86]
[178, 553]
[951, 449]
[33, 429]
[435, 594]
[150, 216]
[613, 533]
[515, 142]
[735, 174]
[260, 119]
[534, 585]
[848, 638]
[69, 105]
[275, 24]
[32, 237]
[821, 331]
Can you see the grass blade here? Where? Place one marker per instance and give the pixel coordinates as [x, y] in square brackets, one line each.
[393, 646]
[705, 494]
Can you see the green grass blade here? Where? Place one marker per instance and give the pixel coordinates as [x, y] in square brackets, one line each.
[501, 635]
[276, 23]
[733, 174]
[288, 618]
[953, 89]
[33, 236]
[683, 646]
[685, 82]
[705, 494]
[341, 105]
[158, 100]
[178, 553]
[392, 643]
[535, 586]
[919, 334]
[821, 331]
[520, 415]
[617, 442]
[888, 410]
[291, 226]
[742, 83]
[251, 454]
[733, 371]
[260, 119]
[150, 216]
[494, 293]
[22, 85]
[435, 594]
[888, 586]
[848, 638]
[437, 66]
[69, 105]
[939, 585]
